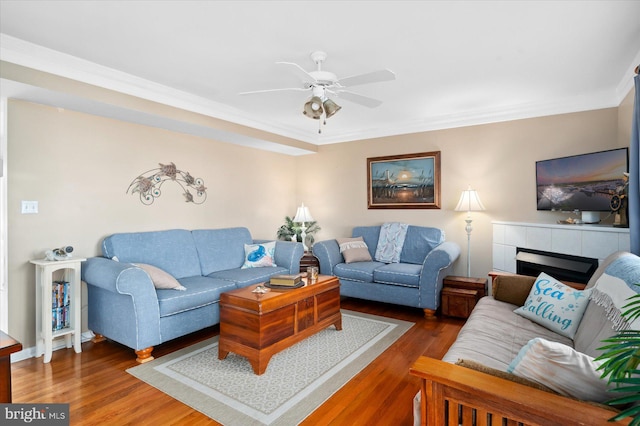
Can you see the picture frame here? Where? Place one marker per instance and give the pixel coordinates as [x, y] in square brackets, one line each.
[408, 181]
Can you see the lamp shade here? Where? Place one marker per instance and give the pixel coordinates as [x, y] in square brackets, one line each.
[313, 108]
[330, 107]
[303, 214]
[469, 201]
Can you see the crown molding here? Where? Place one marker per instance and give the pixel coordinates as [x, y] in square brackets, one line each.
[485, 116]
[40, 58]
[47, 60]
[25, 92]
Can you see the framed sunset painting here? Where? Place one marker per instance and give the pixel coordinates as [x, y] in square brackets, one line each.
[409, 181]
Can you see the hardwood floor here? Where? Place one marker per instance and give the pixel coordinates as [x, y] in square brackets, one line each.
[100, 391]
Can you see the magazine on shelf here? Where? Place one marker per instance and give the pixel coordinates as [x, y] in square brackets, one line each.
[60, 305]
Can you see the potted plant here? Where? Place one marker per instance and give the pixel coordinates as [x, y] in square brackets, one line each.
[622, 357]
[291, 228]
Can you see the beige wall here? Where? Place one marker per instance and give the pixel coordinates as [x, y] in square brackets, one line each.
[79, 166]
[498, 160]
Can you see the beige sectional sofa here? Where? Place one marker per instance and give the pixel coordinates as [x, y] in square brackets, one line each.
[523, 371]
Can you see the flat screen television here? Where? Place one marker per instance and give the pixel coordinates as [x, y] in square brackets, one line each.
[584, 182]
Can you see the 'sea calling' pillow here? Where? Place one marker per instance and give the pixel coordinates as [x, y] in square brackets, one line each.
[555, 305]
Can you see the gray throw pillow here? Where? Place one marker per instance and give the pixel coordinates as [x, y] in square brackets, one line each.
[354, 250]
[160, 278]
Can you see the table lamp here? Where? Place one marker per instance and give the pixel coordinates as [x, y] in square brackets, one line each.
[302, 216]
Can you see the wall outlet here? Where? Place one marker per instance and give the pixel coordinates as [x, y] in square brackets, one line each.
[29, 207]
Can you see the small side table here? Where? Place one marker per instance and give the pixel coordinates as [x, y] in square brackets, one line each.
[308, 259]
[460, 294]
[46, 330]
[8, 345]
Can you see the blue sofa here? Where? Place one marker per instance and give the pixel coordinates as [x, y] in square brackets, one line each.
[125, 306]
[416, 281]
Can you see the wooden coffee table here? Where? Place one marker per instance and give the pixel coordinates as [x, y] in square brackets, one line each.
[257, 326]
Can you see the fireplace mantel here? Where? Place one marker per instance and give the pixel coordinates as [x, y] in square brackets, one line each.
[596, 241]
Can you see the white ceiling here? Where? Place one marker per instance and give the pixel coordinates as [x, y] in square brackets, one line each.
[456, 62]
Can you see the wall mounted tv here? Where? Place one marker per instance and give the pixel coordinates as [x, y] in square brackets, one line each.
[584, 182]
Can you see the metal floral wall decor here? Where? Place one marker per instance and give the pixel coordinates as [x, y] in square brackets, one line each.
[148, 184]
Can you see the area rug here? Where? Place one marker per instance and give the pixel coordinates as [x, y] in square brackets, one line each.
[296, 382]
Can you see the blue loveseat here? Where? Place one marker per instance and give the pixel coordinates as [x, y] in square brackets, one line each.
[416, 281]
[125, 306]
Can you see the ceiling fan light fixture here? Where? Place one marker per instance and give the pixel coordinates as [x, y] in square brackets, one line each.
[320, 82]
[313, 108]
[330, 108]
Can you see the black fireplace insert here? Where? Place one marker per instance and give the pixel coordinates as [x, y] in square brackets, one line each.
[563, 267]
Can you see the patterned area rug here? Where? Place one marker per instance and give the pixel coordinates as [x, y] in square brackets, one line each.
[297, 381]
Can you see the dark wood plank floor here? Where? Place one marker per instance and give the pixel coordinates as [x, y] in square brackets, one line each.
[100, 391]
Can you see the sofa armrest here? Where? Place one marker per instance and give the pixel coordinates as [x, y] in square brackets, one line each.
[123, 303]
[435, 267]
[479, 393]
[118, 277]
[328, 254]
[288, 255]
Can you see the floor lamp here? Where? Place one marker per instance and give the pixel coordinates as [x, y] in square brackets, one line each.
[469, 202]
[303, 215]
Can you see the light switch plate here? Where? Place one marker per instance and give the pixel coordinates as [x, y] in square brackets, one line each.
[29, 207]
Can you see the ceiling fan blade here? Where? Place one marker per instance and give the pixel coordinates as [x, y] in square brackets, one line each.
[371, 77]
[299, 89]
[301, 72]
[359, 99]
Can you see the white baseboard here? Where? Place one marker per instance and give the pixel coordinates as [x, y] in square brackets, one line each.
[26, 353]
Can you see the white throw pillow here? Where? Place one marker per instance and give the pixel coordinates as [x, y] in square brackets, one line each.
[161, 279]
[259, 255]
[555, 305]
[562, 369]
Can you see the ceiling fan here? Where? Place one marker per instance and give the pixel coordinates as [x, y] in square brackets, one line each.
[322, 83]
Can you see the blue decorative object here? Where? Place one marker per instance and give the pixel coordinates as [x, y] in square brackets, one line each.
[634, 172]
[257, 254]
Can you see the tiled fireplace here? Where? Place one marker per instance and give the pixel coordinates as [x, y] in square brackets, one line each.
[592, 241]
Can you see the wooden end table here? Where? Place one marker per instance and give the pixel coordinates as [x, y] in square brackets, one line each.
[460, 294]
[257, 326]
[308, 259]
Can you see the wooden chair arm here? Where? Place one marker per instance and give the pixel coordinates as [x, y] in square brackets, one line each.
[474, 394]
